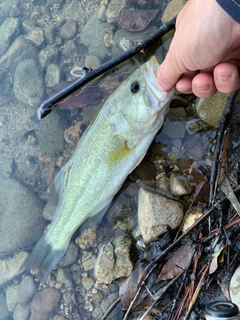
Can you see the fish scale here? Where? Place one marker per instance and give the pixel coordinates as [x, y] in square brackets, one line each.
[110, 148]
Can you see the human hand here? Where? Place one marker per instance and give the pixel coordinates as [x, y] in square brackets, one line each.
[204, 55]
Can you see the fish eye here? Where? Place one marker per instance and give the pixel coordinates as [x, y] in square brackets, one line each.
[135, 86]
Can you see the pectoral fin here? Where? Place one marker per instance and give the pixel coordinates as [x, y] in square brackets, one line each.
[119, 154]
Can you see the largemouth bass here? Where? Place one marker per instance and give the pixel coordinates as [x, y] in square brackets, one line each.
[111, 147]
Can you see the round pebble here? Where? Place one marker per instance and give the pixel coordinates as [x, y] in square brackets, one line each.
[70, 256]
[45, 303]
[26, 290]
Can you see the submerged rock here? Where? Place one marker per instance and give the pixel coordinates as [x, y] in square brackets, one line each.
[28, 83]
[136, 20]
[21, 218]
[113, 10]
[156, 213]
[45, 303]
[10, 268]
[9, 30]
[92, 36]
[114, 260]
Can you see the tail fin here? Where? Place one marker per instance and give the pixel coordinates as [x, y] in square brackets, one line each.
[43, 258]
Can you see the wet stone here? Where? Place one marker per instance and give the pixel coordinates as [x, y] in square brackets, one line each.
[53, 75]
[71, 255]
[13, 196]
[136, 20]
[21, 312]
[113, 10]
[26, 290]
[179, 185]
[174, 129]
[155, 213]
[92, 62]
[87, 283]
[114, 260]
[92, 36]
[47, 55]
[68, 30]
[9, 30]
[45, 303]
[63, 276]
[36, 36]
[11, 297]
[28, 83]
[210, 110]
[145, 171]
[3, 307]
[9, 268]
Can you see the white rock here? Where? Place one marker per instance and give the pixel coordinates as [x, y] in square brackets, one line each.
[10, 268]
[235, 287]
[114, 9]
[155, 213]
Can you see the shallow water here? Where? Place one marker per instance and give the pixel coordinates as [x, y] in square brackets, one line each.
[43, 46]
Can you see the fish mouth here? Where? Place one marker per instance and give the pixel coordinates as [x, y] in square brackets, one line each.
[155, 93]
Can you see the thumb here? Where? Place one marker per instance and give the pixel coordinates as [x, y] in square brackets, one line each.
[168, 73]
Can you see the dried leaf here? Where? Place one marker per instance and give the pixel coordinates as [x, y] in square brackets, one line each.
[177, 263]
[129, 286]
[197, 178]
[214, 262]
[191, 218]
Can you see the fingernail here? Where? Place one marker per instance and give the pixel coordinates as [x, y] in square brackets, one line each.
[202, 87]
[223, 77]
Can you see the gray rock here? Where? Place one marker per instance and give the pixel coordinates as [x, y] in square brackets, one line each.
[63, 276]
[21, 312]
[68, 30]
[21, 221]
[50, 136]
[70, 256]
[21, 49]
[45, 303]
[179, 185]
[106, 303]
[102, 12]
[9, 30]
[70, 49]
[47, 55]
[11, 297]
[92, 36]
[113, 10]
[53, 75]
[3, 307]
[155, 213]
[10, 268]
[114, 260]
[5, 7]
[6, 167]
[132, 36]
[28, 83]
[92, 62]
[36, 36]
[73, 10]
[50, 34]
[210, 110]
[174, 129]
[26, 290]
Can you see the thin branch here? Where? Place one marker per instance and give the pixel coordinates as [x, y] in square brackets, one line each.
[48, 105]
[218, 145]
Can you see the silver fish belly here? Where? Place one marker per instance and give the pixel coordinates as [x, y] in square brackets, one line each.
[111, 147]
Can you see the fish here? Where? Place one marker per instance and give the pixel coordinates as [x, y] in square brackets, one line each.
[110, 148]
